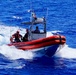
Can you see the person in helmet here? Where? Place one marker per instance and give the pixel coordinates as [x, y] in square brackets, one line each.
[17, 37]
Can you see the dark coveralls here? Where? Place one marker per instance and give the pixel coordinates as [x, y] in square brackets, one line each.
[25, 38]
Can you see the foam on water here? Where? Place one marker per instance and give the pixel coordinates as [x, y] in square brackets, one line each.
[66, 52]
[13, 53]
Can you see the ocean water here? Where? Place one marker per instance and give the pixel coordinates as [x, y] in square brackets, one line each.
[61, 18]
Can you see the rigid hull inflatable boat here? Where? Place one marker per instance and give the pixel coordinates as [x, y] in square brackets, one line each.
[38, 42]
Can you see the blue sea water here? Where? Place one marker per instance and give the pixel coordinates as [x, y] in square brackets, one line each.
[60, 16]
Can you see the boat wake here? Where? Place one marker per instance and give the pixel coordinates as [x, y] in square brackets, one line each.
[13, 53]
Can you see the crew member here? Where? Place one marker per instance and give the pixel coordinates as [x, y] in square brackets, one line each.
[25, 38]
[37, 30]
[16, 37]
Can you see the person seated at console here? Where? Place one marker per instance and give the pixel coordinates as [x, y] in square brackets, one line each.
[36, 30]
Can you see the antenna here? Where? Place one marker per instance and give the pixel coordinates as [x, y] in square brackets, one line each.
[47, 13]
